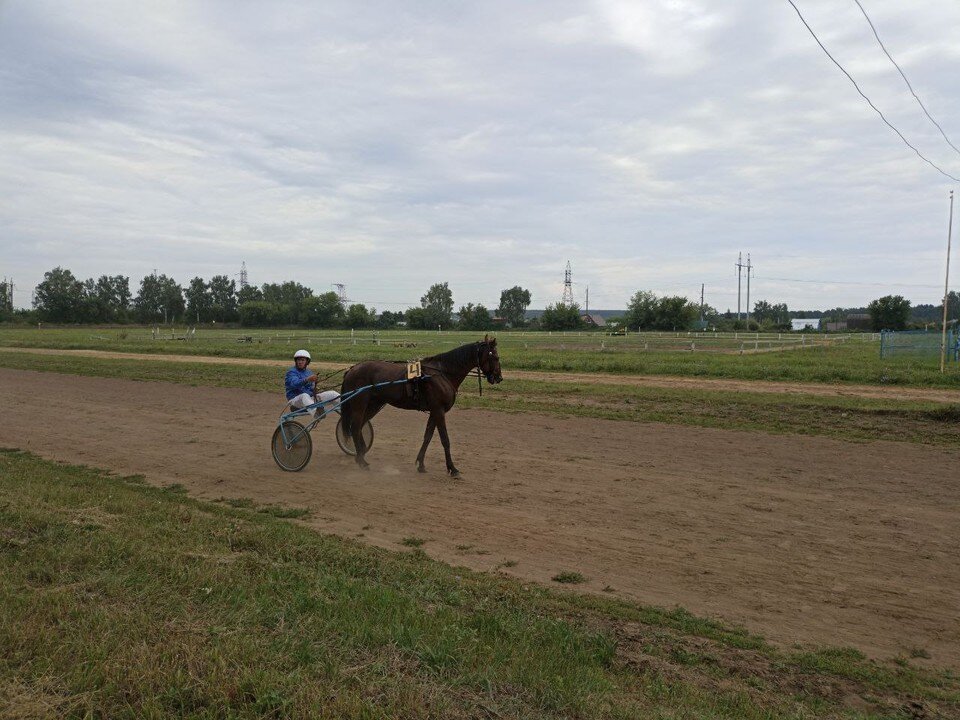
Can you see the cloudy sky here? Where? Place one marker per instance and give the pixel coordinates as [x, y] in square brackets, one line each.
[388, 146]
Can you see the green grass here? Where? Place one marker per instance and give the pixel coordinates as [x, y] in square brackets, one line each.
[843, 417]
[568, 577]
[122, 600]
[855, 360]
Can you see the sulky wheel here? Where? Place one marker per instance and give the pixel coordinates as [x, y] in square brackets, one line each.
[291, 446]
[346, 442]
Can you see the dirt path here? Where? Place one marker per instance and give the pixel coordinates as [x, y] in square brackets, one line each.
[805, 540]
[944, 395]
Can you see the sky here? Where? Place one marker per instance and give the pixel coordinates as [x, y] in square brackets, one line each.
[389, 146]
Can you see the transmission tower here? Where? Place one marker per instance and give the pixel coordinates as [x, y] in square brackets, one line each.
[243, 275]
[567, 286]
[341, 292]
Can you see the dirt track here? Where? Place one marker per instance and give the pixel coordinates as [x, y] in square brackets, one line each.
[944, 395]
[805, 540]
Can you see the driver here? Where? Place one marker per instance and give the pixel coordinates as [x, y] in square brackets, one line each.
[301, 385]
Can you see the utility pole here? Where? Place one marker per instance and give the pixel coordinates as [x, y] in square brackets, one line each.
[587, 310]
[701, 303]
[749, 270]
[946, 292]
[243, 275]
[341, 293]
[739, 266]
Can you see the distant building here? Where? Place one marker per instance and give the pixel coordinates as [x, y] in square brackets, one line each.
[804, 324]
[593, 320]
[859, 321]
[835, 326]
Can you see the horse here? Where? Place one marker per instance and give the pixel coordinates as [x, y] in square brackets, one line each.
[435, 393]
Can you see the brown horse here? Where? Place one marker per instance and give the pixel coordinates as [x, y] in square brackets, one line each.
[434, 394]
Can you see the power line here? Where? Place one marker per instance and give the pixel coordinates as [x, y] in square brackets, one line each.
[869, 102]
[846, 282]
[900, 70]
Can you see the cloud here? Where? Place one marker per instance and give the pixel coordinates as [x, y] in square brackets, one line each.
[389, 147]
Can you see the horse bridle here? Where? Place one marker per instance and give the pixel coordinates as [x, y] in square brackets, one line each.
[480, 373]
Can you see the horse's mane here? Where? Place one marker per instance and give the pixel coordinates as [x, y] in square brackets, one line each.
[464, 356]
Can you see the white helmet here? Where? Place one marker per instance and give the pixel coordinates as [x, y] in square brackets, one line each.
[302, 354]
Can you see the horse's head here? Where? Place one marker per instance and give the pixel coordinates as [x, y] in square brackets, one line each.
[488, 360]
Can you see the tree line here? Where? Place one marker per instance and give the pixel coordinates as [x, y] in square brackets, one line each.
[62, 298]
[647, 311]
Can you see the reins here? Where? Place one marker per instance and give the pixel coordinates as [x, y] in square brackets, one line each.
[327, 377]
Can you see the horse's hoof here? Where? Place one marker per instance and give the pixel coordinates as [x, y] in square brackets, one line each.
[421, 469]
[453, 472]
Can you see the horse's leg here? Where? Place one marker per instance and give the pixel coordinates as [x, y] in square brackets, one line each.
[358, 413]
[371, 409]
[427, 436]
[445, 439]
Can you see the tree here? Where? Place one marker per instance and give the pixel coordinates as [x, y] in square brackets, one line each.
[259, 313]
[160, 298]
[60, 297]
[417, 319]
[762, 311]
[641, 311]
[113, 293]
[6, 307]
[291, 295]
[513, 305]
[198, 301]
[474, 317]
[561, 317]
[389, 319]
[781, 315]
[889, 312]
[674, 313]
[250, 293]
[321, 311]
[359, 317]
[438, 306]
[223, 298]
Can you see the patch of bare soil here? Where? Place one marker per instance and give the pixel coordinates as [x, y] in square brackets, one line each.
[944, 395]
[802, 539]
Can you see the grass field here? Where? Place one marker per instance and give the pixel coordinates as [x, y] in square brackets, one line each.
[841, 359]
[847, 417]
[122, 600]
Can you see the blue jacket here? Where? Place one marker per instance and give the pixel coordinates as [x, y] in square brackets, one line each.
[296, 383]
